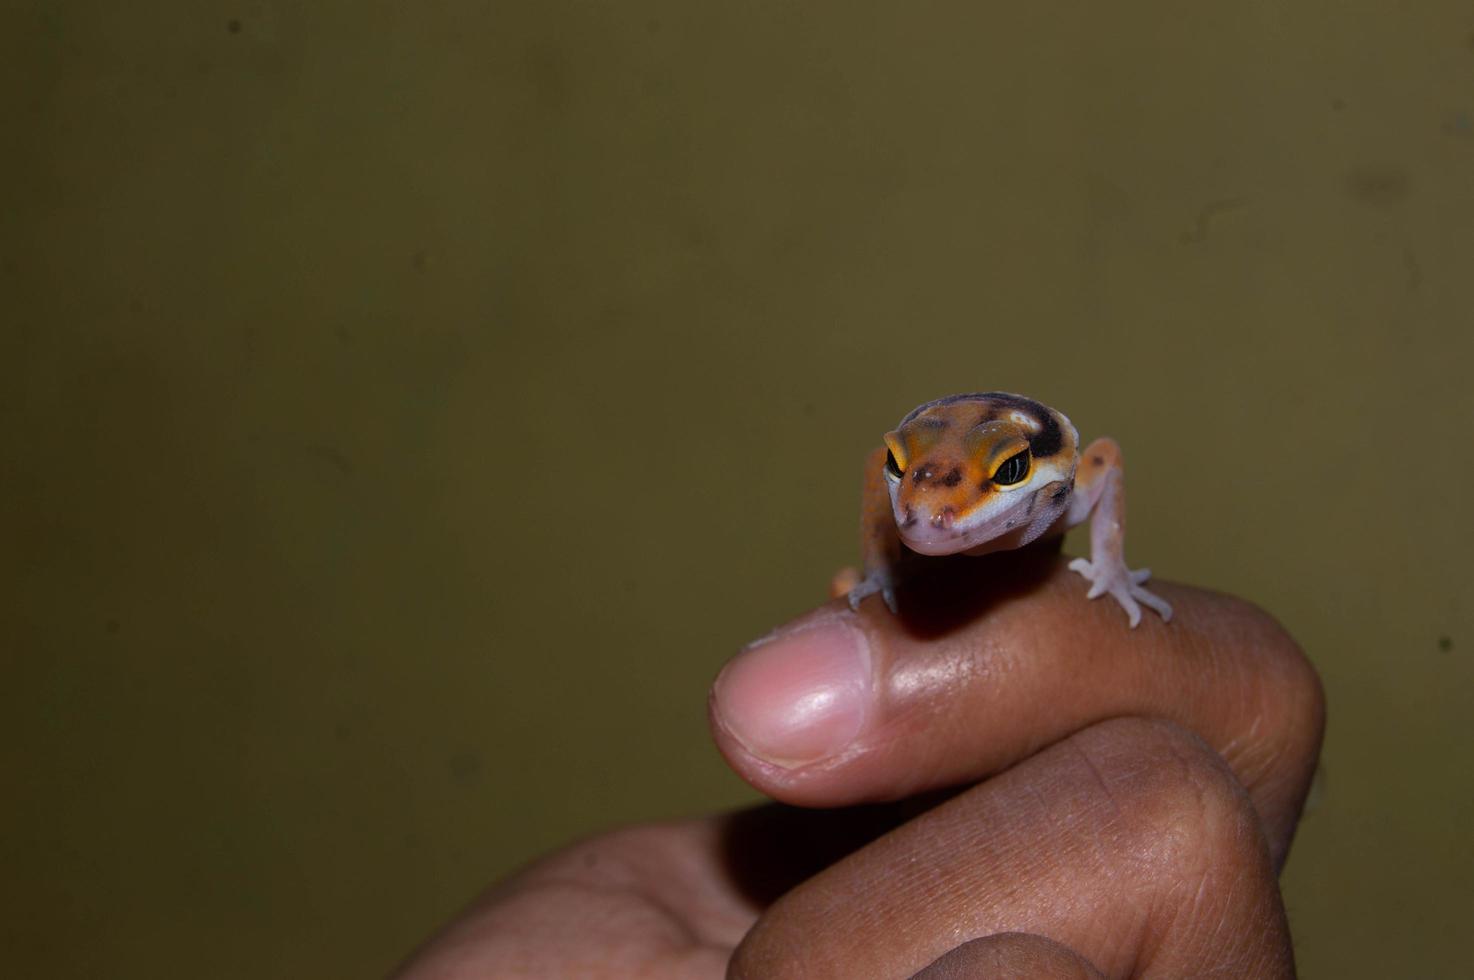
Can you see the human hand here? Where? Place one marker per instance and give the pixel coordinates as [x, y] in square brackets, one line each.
[1132, 795]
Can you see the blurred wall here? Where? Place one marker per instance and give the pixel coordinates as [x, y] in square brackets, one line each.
[407, 408]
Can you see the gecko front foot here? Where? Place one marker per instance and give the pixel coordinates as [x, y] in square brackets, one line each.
[875, 582]
[1124, 585]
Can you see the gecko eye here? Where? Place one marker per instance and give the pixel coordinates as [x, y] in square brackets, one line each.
[892, 467]
[1013, 470]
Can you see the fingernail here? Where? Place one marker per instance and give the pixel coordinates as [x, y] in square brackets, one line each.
[800, 696]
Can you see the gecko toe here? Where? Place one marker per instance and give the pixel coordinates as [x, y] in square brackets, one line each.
[1150, 599]
[1133, 611]
[873, 585]
[1125, 586]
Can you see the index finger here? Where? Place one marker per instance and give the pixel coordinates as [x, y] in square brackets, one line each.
[996, 658]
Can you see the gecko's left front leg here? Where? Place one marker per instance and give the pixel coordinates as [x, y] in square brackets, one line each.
[1100, 498]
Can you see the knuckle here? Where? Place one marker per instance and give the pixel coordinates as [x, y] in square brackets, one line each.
[1305, 695]
[1292, 672]
[1286, 671]
[1284, 702]
[1180, 809]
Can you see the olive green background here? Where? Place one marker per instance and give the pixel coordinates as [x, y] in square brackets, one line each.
[407, 408]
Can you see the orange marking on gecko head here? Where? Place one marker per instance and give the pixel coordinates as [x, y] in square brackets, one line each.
[948, 460]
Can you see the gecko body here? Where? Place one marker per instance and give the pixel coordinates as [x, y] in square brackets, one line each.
[992, 471]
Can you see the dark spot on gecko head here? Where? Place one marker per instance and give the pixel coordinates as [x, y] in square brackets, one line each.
[1097, 460]
[910, 517]
[952, 478]
[921, 473]
[1049, 438]
[1046, 443]
[1061, 493]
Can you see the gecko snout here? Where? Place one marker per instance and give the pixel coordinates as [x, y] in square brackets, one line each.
[942, 519]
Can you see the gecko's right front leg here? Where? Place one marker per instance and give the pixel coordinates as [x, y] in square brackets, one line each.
[880, 541]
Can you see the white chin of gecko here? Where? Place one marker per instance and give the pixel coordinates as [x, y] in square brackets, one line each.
[948, 542]
[1003, 531]
[931, 546]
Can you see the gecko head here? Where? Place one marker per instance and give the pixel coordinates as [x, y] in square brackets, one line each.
[960, 478]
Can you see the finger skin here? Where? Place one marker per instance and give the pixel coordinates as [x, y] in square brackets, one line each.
[1131, 844]
[998, 656]
[651, 901]
[1010, 956]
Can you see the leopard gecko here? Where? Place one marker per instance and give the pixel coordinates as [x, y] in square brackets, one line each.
[987, 472]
